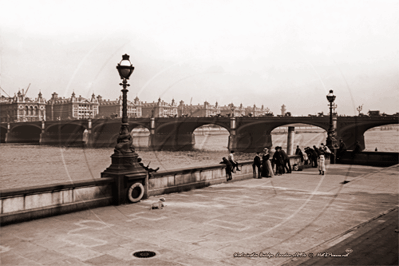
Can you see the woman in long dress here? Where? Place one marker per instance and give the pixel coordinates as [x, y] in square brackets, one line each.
[267, 170]
[321, 163]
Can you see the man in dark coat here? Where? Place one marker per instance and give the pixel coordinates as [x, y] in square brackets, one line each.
[316, 154]
[229, 168]
[356, 150]
[286, 161]
[278, 160]
[341, 150]
[256, 166]
[299, 152]
[312, 155]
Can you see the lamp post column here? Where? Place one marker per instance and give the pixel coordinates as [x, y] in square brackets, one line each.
[124, 84]
[125, 168]
[331, 141]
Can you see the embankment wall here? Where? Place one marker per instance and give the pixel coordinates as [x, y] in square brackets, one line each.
[19, 205]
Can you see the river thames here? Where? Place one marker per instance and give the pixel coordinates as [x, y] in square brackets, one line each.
[33, 165]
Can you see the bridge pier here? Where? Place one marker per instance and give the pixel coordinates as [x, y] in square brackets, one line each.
[42, 134]
[232, 145]
[11, 138]
[6, 138]
[88, 136]
[290, 140]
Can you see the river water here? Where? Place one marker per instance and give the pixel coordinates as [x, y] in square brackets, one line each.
[33, 165]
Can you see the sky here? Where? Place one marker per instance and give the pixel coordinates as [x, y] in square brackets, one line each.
[251, 52]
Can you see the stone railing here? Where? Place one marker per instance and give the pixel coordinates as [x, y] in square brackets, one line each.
[198, 177]
[18, 205]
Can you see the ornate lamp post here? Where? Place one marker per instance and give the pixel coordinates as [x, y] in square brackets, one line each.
[331, 141]
[232, 108]
[124, 159]
[359, 109]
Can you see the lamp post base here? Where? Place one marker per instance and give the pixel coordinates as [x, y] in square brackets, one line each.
[121, 166]
[125, 163]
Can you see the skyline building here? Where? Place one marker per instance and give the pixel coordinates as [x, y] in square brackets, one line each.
[62, 108]
[108, 108]
[21, 108]
[58, 108]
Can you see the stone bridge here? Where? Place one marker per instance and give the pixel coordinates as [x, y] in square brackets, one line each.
[247, 134]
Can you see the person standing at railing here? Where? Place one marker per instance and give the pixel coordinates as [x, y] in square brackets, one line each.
[147, 168]
[256, 166]
[278, 160]
[233, 162]
[299, 152]
[229, 168]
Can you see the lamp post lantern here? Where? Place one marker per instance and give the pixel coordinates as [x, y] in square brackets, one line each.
[359, 109]
[124, 159]
[331, 141]
[125, 69]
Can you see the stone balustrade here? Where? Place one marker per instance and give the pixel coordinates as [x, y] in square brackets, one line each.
[18, 205]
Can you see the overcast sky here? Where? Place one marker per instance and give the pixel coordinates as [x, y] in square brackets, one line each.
[249, 52]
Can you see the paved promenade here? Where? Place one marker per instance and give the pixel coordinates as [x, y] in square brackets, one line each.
[271, 219]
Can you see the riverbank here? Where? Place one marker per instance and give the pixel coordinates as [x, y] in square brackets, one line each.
[295, 213]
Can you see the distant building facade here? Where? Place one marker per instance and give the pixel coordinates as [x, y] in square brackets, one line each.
[159, 109]
[58, 108]
[113, 109]
[205, 110]
[257, 111]
[22, 109]
[231, 110]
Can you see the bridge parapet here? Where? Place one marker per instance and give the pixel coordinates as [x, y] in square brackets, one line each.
[248, 134]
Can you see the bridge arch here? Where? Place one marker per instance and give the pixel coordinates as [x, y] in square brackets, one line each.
[178, 134]
[382, 138]
[105, 134]
[352, 130]
[255, 134]
[305, 135]
[24, 134]
[211, 137]
[66, 133]
[189, 126]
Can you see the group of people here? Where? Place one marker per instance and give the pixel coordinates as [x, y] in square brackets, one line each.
[261, 165]
[231, 165]
[316, 157]
[264, 167]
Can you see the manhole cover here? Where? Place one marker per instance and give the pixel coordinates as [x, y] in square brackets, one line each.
[144, 254]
